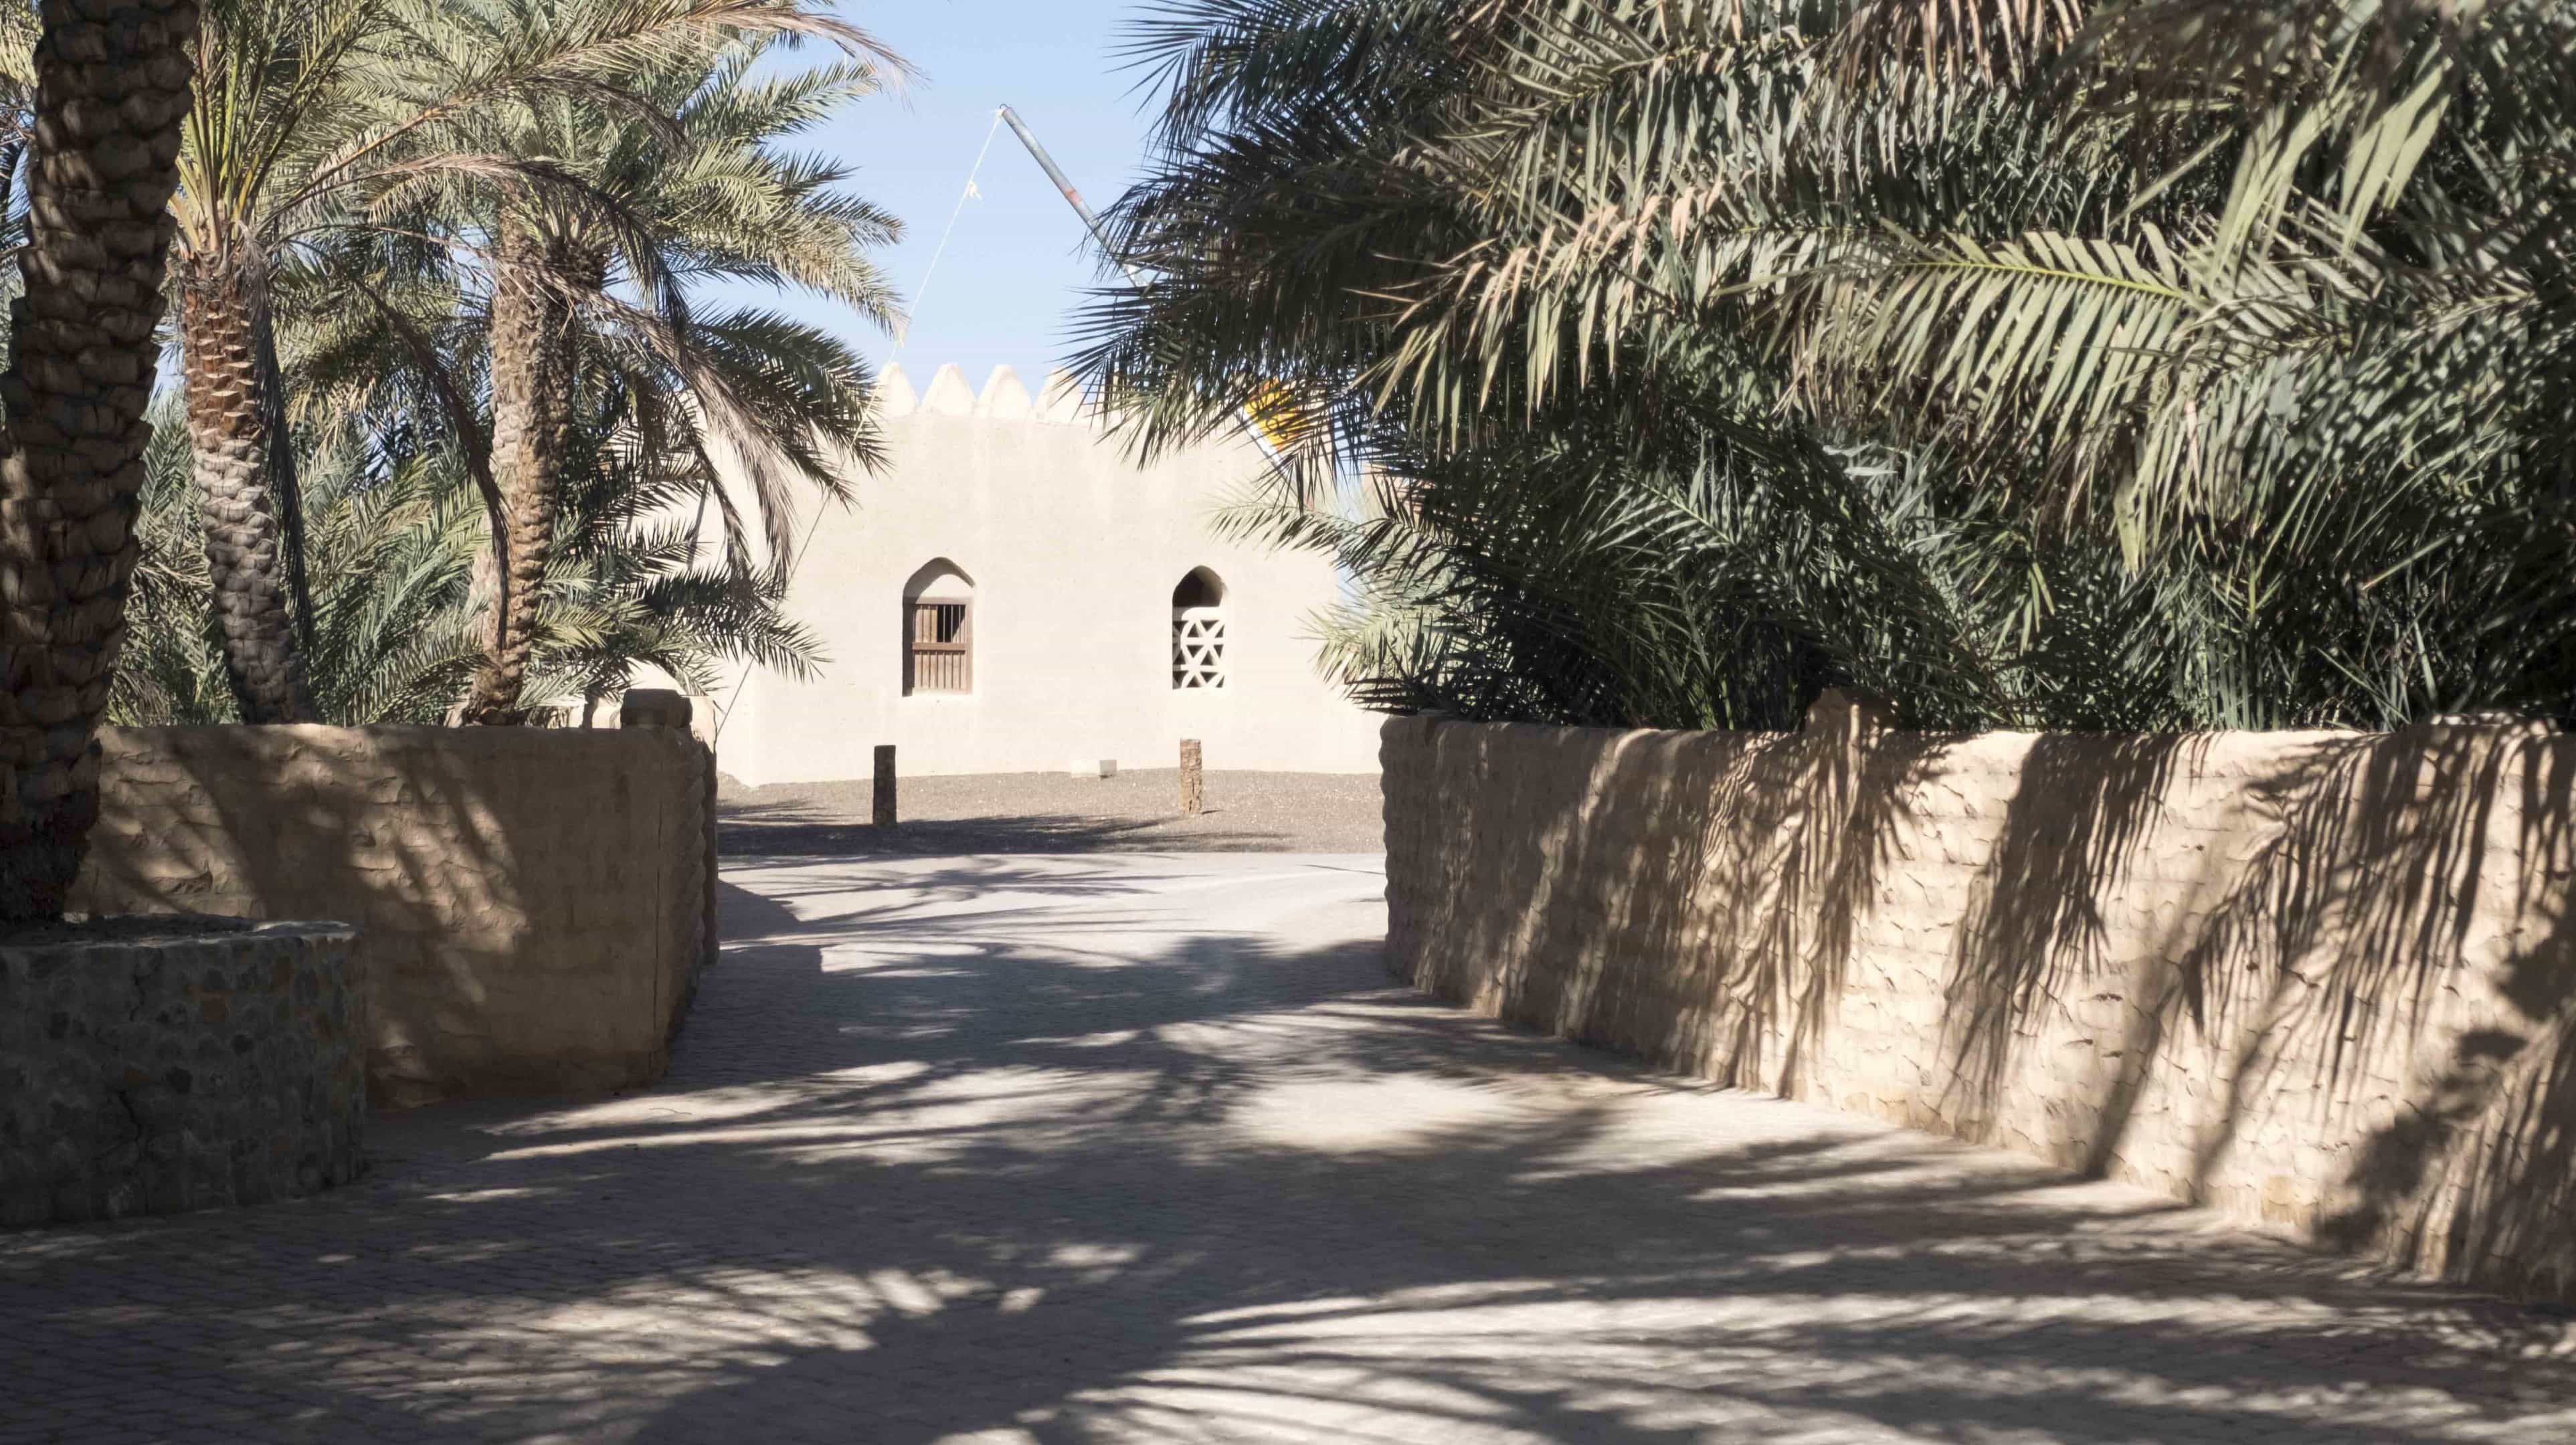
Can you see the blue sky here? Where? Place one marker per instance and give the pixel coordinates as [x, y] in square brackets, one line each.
[1018, 262]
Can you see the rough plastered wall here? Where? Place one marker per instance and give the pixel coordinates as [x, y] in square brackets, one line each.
[1068, 548]
[529, 902]
[2321, 981]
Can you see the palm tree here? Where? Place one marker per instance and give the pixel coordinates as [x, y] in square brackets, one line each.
[391, 545]
[2187, 363]
[630, 582]
[112, 83]
[18, 31]
[708, 197]
[394, 532]
[339, 128]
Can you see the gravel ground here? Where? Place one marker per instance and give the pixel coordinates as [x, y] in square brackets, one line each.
[1134, 812]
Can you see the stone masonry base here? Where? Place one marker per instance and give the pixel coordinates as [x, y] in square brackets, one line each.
[188, 1067]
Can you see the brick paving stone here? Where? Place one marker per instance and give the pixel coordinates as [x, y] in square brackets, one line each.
[1062, 1150]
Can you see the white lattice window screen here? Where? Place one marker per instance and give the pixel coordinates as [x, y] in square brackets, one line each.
[1198, 648]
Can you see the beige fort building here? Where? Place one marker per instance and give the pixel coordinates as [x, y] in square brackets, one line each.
[1013, 592]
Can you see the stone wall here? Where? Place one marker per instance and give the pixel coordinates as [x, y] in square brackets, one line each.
[530, 903]
[2317, 981]
[153, 1071]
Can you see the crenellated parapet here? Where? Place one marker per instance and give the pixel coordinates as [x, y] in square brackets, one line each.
[1004, 397]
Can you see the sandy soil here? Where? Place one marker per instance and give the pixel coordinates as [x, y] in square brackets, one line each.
[1134, 812]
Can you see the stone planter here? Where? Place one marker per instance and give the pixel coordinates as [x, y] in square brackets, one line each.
[149, 1066]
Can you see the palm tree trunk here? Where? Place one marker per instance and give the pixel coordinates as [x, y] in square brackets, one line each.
[230, 436]
[284, 485]
[532, 365]
[111, 87]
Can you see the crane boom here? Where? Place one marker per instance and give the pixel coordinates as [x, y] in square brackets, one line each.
[1046, 163]
[1244, 416]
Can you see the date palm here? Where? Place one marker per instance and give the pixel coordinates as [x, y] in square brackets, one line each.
[339, 127]
[707, 195]
[2187, 362]
[394, 533]
[111, 86]
[390, 548]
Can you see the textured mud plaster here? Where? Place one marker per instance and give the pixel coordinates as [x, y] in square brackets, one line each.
[530, 903]
[2320, 981]
[1069, 556]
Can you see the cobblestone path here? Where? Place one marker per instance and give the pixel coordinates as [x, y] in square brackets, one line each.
[1082, 1149]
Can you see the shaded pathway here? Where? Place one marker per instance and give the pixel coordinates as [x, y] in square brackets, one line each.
[1132, 1148]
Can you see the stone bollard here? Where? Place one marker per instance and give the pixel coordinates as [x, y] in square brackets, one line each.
[653, 707]
[1849, 714]
[1193, 780]
[882, 811]
[702, 719]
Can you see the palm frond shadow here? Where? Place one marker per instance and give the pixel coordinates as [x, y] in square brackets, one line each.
[1793, 833]
[2214, 965]
[2036, 927]
[980, 1180]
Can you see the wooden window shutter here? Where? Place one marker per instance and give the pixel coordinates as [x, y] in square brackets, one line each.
[939, 645]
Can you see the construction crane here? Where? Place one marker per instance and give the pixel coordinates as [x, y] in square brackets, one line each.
[1251, 419]
[1055, 173]
[1258, 415]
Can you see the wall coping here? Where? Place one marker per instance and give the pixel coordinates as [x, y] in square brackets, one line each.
[186, 930]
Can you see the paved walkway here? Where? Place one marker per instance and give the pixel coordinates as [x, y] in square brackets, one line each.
[1070, 1150]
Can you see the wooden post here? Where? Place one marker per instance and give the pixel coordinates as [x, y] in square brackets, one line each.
[1193, 779]
[885, 786]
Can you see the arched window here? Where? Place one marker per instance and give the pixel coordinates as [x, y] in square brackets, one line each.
[938, 629]
[1198, 631]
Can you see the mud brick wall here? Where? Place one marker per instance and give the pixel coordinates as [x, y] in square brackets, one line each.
[2318, 981]
[530, 903]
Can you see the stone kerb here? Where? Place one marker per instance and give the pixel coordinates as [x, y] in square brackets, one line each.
[148, 1071]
